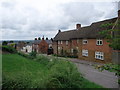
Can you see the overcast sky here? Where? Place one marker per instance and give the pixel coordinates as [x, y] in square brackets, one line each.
[27, 19]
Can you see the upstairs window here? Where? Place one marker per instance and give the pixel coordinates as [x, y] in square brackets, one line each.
[77, 41]
[85, 52]
[59, 48]
[61, 42]
[85, 41]
[99, 55]
[99, 42]
[58, 42]
[66, 42]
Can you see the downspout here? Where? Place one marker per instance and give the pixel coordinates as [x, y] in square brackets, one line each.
[57, 47]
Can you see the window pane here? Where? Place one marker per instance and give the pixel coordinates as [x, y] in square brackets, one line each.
[100, 42]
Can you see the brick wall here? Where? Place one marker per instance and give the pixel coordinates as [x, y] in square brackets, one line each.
[92, 47]
[43, 47]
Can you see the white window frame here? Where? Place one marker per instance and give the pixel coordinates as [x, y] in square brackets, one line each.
[99, 55]
[72, 50]
[58, 42]
[61, 42]
[77, 49]
[66, 42]
[84, 52]
[77, 41]
[59, 48]
[98, 42]
[85, 41]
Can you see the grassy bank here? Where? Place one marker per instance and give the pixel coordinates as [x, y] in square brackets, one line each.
[20, 72]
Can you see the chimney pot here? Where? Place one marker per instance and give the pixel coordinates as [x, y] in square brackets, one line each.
[59, 30]
[43, 37]
[78, 26]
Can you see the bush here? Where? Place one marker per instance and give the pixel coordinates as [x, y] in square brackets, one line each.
[64, 74]
[9, 49]
[42, 59]
[33, 54]
[25, 55]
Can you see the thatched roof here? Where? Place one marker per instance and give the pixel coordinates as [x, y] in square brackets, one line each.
[91, 31]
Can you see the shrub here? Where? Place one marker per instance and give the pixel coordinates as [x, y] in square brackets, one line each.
[9, 49]
[25, 55]
[64, 74]
[42, 59]
[33, 54]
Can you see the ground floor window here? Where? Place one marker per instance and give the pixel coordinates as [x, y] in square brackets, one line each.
[85, 52]
[99, 55]
[71, 50]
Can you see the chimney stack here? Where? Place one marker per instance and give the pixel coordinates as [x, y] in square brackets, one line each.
[43, 37]
[78, 26]
[59, 30]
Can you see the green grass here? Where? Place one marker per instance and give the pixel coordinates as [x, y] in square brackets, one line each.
[20, 72]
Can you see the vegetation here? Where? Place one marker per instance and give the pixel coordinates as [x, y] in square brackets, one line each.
[42, 72]
[9, 49]
[112, 35]
[65, 53]
[4, 43]
[33, 54]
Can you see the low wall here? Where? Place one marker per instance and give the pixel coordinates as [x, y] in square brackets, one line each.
[116, 56]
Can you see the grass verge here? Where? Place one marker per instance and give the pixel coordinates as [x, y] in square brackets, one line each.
[42, 72]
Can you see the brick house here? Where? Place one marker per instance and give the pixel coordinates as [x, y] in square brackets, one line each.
[41, 46]
[90, 45]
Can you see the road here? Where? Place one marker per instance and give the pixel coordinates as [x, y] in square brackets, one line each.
[105, 78]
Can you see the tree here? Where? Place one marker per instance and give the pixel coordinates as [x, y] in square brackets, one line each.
[112, 35]
[4, 43]
[11, 41]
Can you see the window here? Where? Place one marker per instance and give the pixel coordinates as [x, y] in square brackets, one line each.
[58, 42]
[99, 42]
[85, 41]
[85, 52]
[77, 49]
[99, 55]
[66, 42]
[77, 40]
[61, 42]
[58, 48]
[71, 50]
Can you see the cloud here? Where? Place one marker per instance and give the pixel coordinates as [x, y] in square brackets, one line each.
[26, 19]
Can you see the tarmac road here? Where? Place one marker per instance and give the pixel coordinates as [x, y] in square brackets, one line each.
[105, 78]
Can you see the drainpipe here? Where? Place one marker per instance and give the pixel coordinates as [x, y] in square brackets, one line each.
[57, 47]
